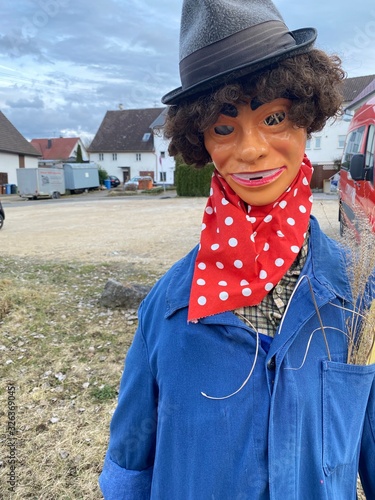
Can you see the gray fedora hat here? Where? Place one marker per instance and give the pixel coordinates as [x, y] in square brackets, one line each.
[222, 40]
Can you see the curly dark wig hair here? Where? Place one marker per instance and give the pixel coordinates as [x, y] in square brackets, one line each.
[312, 81]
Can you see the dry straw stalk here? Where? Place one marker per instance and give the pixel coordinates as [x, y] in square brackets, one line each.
[360, 241]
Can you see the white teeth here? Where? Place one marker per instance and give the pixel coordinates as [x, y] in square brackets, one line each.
[257, 175]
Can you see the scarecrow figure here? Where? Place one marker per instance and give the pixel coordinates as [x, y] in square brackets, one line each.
[236, 385]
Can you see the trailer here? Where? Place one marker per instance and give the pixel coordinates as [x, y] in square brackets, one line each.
[40, 182]
[81, 176]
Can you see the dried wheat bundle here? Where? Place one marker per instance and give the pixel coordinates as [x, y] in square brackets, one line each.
[361, 325]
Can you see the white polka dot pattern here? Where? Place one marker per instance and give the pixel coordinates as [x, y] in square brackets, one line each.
[245, 250]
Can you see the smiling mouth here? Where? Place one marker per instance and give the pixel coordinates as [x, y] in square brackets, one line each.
[256, 179]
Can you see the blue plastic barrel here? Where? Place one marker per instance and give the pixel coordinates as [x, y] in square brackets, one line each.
[8, 188]
[107, 183]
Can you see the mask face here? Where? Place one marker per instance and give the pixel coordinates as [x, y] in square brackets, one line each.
[257, 151]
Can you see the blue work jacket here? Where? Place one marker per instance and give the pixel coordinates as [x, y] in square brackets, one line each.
[300, 428]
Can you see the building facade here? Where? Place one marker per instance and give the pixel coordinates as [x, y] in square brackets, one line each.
[15, 152]
[130, 143]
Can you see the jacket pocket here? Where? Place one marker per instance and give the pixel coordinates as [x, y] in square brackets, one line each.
[346, 390]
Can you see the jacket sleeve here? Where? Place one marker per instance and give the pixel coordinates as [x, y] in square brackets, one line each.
[128, 466]
[367, 457]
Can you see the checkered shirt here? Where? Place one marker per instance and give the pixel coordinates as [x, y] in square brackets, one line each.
[266, 316]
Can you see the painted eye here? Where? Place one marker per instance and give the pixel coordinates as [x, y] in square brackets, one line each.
[275, 118]
[223, 129]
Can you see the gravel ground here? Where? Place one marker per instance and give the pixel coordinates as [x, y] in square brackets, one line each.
[98, 228]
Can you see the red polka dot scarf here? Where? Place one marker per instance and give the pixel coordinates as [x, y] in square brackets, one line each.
[246, 250]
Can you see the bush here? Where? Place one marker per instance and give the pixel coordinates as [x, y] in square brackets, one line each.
[103, 175]
[191, 181]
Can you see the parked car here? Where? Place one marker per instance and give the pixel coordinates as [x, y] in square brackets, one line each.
[136, 182]
[115, 181]
[356, 184]
[2, 215]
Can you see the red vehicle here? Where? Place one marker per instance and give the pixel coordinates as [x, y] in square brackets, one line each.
[356, 184]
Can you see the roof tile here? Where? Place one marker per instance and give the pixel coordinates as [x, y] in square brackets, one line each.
[352, 87]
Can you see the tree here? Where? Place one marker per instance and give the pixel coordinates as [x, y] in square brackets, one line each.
[79, 158]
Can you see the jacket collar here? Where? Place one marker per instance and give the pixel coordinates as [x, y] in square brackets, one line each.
[325, 262]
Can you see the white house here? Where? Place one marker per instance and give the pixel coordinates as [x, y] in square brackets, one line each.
[15, 152]
[325, 148]
[126, 145]
[166, 168]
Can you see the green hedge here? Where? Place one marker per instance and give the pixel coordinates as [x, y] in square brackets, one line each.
[192, 181]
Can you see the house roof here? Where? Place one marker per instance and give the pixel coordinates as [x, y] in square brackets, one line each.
[126, 130]
[365, 94]
[12, 141]
[160, 120]
[352, 87]
[59, 148]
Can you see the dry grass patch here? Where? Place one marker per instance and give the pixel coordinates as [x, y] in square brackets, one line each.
[64, 355]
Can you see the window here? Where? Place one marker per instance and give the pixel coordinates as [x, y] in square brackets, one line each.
[162, 154]
[146, 137]
[308, 144]
[318, 141]
[341, 141]
[114, 156]
[138, 156]
[163, 176]
[370, 147]
[352, 146]
[101, 156]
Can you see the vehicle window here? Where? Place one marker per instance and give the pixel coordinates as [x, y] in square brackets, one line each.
[370, 147]
[352, 147]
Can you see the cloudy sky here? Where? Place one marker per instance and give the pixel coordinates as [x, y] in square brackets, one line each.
[64, 63]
